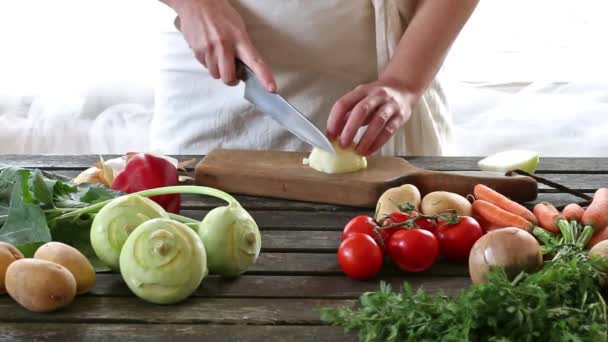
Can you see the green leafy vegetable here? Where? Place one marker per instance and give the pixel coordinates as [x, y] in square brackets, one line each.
[31, 202]
[562, 302]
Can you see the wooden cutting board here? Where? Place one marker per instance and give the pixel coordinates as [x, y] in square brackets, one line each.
[282, 175]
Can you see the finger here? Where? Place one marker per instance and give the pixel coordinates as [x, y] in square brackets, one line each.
[376, 125]
[252, 58]
[227, 67]
[201, 57]
[340, 110]
[387, 132]
[358, 115]
[211, 59]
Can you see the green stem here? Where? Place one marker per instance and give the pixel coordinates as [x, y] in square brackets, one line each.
[178, 189]
[586, 235]
[564, 228]
[543, 235]
[183, 219]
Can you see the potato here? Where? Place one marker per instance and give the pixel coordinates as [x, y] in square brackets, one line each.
[40, 285]
[8, 254]
[440, 202]
[401, 195]
[70, 258]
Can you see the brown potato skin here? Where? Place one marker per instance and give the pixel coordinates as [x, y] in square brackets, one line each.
[70, 258]
[8, 254]
[40, 285]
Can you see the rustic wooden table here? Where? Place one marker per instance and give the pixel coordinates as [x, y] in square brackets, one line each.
[279, 297]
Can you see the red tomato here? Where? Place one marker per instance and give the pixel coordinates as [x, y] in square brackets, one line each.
[456, 240]
[359, 224]
[413, 250]
[364, 224]
[426, 224]
[396, 217]
[359, 256]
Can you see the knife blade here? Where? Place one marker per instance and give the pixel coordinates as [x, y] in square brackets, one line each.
[279, 109]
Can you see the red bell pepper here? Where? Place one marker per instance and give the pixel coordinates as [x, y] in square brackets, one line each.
[144, 172]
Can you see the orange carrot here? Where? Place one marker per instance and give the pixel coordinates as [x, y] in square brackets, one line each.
[499, 217]
[599, 236]
[573, 212]
[488, 194]
[596, 214]
[547, 216]
[485, 225]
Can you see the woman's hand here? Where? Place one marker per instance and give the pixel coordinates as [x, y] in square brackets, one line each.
[384, 106]
[217, 35]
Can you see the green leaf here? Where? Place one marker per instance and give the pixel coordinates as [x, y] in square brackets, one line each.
[26, 222]
[40, 189]
[30, 200]
[95, 193]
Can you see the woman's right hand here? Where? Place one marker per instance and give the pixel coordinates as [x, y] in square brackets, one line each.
[217, 35]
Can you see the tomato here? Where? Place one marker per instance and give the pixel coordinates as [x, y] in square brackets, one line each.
[413, 250]
[359, 224]
[457, 239]
[396, 217]
[364, 224]
[360, 256]
[426, 224]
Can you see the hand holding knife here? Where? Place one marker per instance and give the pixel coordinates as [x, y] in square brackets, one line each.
[279, 109]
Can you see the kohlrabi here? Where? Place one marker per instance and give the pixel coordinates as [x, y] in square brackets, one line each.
[229, 234]
[163, 261]
[116, 220]
[232, 239]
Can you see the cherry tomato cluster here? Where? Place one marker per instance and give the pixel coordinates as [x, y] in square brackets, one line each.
[412, 242]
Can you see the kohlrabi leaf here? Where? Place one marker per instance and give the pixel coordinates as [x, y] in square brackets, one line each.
[30, 202]
[25, 222]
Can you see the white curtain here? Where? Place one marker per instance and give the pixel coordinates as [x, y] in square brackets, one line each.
[78, 76]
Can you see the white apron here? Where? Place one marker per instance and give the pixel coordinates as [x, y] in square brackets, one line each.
[318, 51]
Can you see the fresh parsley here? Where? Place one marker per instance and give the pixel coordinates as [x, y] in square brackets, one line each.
[561, 302]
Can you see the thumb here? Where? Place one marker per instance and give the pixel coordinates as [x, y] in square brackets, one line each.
[253, 59]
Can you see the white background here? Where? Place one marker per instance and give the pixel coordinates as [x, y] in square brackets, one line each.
[77, 76]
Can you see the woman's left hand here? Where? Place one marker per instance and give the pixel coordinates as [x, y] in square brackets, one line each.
[384, 106]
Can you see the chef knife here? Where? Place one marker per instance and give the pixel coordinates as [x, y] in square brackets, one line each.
[279, 109]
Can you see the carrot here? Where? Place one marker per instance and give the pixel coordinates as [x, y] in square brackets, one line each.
[485, 225]
[573, 212]
[547, 216]
[488, 194]
[499, 217]
[596, 214]
[599, 236]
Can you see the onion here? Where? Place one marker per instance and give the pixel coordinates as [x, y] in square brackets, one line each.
[116, 220]
[514, 249]
[163, 261]
[231, 238]
[343, 161]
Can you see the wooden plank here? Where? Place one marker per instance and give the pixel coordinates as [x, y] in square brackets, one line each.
[326, 287]
[39, 332]
[300, 241]
[250, 311]
[293, 220]
[579, 181]
[327, 264]
[547, 164]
